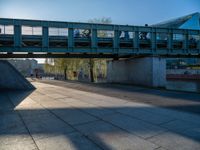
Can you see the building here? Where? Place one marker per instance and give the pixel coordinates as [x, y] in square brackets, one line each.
[191, 21]
[25, 66]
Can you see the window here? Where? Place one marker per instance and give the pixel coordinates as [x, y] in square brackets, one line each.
[27, 30]
[6, 29]
[178, 37]
[105, 34]
[58, 32]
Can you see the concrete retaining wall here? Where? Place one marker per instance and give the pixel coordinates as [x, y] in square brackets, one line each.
[10, 78]
[149, 71]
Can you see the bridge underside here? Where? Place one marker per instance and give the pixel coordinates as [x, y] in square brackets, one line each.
[87, 55]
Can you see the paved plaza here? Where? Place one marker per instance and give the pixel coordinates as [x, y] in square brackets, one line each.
[62, 118]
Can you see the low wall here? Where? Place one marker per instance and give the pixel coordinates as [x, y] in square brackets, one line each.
[183, 71]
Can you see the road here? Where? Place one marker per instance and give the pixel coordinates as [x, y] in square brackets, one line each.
[80, 116]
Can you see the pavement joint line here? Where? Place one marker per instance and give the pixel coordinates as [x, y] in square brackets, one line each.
[126, 101]
[60, 98]
[168, 130]
[114, 112]
[40, 93]
[168, 122]
[85, 123]
[147, 138]
[103, 106]
[99, 106]
[124, 130]
[71, 126]
[158, 148]
[82, 109]
[112, 87]
[157, 145]
[142, 119]
[21, 118]
[99, 119]
[43, 138]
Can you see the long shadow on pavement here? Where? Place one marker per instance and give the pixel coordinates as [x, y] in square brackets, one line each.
[182, 101]
[68, 127]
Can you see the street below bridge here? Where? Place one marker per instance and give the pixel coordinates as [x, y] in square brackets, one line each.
[86, 116]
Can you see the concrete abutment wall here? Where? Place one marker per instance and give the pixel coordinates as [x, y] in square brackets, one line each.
[148, 71]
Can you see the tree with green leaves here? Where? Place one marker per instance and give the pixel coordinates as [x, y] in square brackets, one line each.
[102, 34]
[69, 67]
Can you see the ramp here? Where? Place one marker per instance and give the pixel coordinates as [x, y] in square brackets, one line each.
[10, 78]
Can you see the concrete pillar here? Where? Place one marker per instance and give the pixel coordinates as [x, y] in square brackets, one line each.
[148, 71]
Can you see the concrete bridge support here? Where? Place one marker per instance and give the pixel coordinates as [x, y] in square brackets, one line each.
[11, 79]
[148, 71]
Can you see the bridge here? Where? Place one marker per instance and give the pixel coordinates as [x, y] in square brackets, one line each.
[77, 116]
[149, 46]
[21, 38]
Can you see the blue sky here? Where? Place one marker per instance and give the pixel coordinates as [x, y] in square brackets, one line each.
[132, 12]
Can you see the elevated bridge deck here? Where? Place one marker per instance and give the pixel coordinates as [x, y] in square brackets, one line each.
[36, 38]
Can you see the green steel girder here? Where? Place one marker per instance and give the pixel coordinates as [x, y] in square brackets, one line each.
[93, 48]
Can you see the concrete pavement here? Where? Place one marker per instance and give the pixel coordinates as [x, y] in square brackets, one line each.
[54, 117]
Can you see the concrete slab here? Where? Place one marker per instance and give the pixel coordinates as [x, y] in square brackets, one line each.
[91, 109]
[55, 95]
[9, 121]
[110, 137]
[184, 116]
[21, 145]
[73, 141]
[193, 133]
[47, 126]
[15, 136]
[73, 116]
[180, 126]
[134, 125]
[173, 141]
[73, 119]
[5, 104]
[144, 115]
